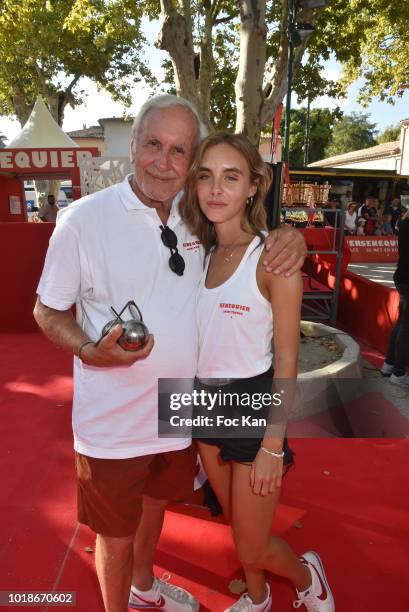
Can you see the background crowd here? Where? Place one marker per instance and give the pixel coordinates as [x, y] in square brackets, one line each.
[372, 218]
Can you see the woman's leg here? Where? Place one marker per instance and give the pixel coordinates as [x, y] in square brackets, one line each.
[219, 475]
[258, 550]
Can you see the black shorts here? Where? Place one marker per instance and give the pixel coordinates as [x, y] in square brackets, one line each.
[244, 450]
[234, 447]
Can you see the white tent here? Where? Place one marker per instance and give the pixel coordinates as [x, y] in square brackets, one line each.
[41, 130]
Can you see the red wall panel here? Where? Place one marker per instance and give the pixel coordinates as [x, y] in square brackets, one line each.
[22, 251]
[11, 186]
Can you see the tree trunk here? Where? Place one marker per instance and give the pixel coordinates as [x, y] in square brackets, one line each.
[176, 38]
[56, 102]
[275, 88]
[278, 81]
[206, 64]
[20, 105]
[249, 82]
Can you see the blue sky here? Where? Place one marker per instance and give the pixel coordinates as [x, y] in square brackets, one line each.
[381, 113]
[99, 103]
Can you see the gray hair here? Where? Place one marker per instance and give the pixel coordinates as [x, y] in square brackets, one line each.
[167, 101]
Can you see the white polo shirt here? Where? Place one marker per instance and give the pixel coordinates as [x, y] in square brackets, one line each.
[106, 249]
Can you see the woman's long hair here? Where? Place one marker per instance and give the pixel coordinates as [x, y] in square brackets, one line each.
[255, 216]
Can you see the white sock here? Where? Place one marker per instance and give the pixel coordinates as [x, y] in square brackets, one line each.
[261, 605]
[139, 592]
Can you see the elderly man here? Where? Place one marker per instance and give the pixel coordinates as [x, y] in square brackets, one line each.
[128, 242]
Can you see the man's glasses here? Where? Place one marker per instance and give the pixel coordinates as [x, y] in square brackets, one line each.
[170, 240]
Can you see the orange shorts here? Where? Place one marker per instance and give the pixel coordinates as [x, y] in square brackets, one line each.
[110, 491]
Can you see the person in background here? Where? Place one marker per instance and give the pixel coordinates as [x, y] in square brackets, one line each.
[373, 206]
[403, 213]
[370, 224]
[394, 210]
[350, 219]
[360, 229]
[397, 357]
[387, 229]
[378, 224]
[331, 216]
[366, 206]
[49, 210]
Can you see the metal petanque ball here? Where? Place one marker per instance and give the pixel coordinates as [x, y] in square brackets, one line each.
[107, 327]
[134, 336]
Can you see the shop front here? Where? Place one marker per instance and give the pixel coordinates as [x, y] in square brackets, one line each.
[18, 165]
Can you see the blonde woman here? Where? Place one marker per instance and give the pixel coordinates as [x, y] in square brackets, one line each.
[238, 307]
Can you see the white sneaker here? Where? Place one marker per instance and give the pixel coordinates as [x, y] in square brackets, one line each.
[163, 596]
[403, 380]
[245, 604]
[318, 597]
[386, 369]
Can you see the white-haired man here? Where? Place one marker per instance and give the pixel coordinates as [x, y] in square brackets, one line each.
[128, 242]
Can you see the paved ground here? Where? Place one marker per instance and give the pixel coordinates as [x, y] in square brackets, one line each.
[397, 395]
[382, 273]
[378, 273]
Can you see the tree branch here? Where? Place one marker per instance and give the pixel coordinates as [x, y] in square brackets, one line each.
[72, 84]
[41, 78]
[176, 38]
[214, 9]
[223, 19]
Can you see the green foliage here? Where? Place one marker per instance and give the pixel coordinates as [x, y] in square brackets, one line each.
[371, 39]
[322, 122]
[358, 33]
[223, 106]
[352, 132]
[48, 45]
[389, 134]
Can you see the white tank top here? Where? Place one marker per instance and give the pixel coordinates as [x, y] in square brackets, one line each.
[235, 323]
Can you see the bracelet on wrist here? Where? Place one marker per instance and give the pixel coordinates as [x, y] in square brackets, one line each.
[82, 346]
[273, 454]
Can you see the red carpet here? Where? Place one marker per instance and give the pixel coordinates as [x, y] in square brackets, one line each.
[349, 495]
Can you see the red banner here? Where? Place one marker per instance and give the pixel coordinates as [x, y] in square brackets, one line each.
[373, 249]
[44, 160]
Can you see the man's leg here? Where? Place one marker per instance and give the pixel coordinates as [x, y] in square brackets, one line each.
[171, 479]
[390, 355]
[146, 541]
[402, 338]
[113, 561]
[110, 498]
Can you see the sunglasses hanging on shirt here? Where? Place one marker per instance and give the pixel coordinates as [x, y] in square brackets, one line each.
[170, 240]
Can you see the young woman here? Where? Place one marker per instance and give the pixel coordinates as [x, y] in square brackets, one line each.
[238, 306]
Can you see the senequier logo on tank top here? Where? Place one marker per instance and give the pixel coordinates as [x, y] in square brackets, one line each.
[236, 309]
[192, 246]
